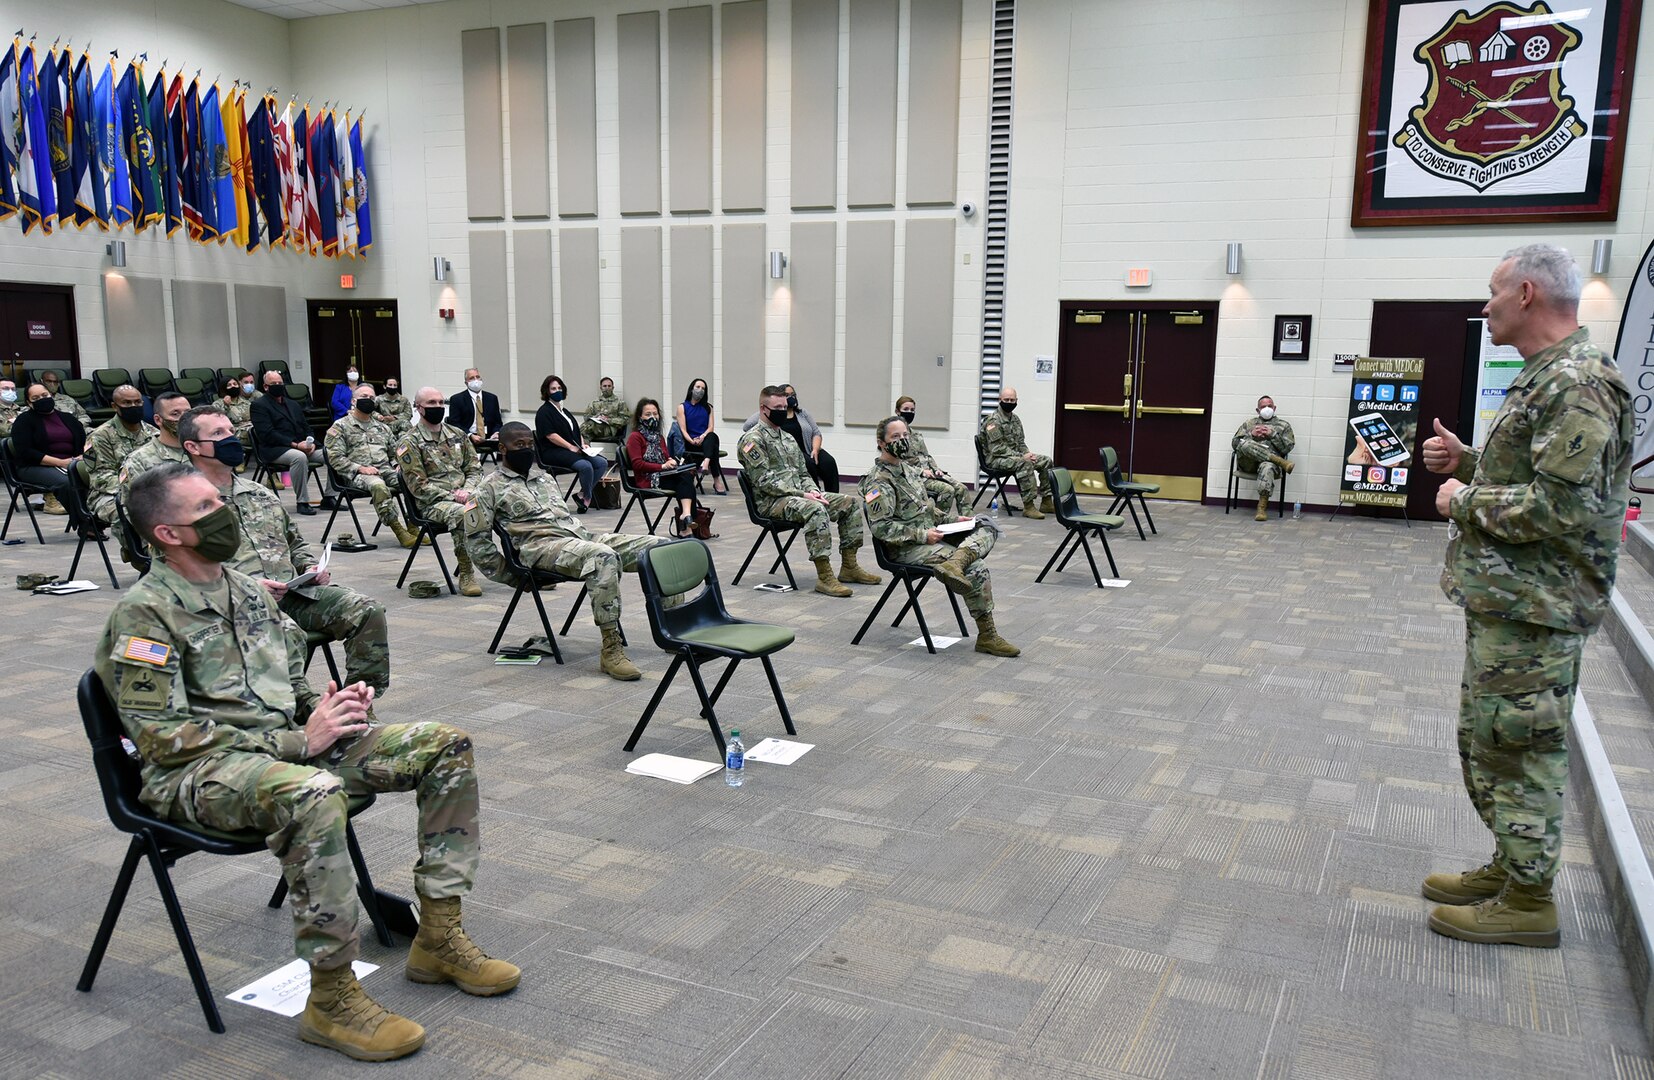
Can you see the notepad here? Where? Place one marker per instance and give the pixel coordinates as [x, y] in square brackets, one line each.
[676, 769]
[956, 527]
[309, 576]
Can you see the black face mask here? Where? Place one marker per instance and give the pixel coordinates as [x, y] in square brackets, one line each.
[43, 405]
[1008, 406]
[778, 416]
[132, 414]
[392, 391]
[229, 451]
[233, 391]
[792, 401]
[367, 406]
[558, 395]
[520, 460]
[433, 414]
[907, 417]
[277, 391]
[650, 423]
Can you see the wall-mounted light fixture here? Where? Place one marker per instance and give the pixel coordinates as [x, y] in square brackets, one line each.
[116, 250]
[778, 265]
[440, 268]
[1231, 258]
[1601, 252]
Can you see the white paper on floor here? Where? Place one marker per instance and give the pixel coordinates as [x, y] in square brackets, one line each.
[1115, 582]
[779, 751]
[285, 990]
[679, 770]
[941, 642]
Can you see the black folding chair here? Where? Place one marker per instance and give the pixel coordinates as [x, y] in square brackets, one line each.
[1124, 491]
[997, 478]
[106, 381]
[772, 528]
[18, 488]
[154, 382]
[314, 640]
[90, 527]
[423, 527]
[134, 545]
[531, 579]
[914, 579]
[345, 494]
[701, 629]
[1237, 473]
[1077, 526]
[164, 842]
[640, 496]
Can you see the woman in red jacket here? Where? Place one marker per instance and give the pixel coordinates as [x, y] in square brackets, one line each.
[647, 454]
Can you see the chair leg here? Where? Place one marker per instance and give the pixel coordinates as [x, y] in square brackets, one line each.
[1144, 503]
[888, 589]
[1134, 520]
[1114, 571]
[332, 664]
[633, 501]
[654, 702]
[74, 564]
[575, 608]
[103, 549]
[111, 914]
[756, 544]
[279, 894]
[350, 505]
[1067, 538]
[365, 891]
[781, 559]
[723, 680]
[327, 530]
[412, 552]
[510, 610]
[780, 702]
[707, 710]
[545, 624]
[957, 615]
[442, 564]
[1095, 576]
[981, 490]
[180, 928]
[655, 523]
[919, 612]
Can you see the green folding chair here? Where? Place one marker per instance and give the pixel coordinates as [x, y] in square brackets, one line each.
[1077, 527]
[1124, 491]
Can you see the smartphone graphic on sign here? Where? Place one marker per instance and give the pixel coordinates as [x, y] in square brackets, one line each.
[1380, 438]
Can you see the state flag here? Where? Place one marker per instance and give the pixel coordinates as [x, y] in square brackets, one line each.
[364, 219]
[9, 201]
[90, 195]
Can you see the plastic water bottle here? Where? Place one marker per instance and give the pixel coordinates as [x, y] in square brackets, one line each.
[993, 507]
[1633, 512]
[735, 759]
[1297, 511]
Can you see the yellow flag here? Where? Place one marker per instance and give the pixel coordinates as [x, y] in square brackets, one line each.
[235, 140]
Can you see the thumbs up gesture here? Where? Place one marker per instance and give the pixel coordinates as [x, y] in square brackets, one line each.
[1442, 451]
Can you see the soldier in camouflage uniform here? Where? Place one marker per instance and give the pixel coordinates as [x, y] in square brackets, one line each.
[231, 403]
[943, 489]
[605, 417]
[1261, 445]
[273, 552]
[110, 446]
[525, 501]
[208, 678]
[169, 409]
[1004, 447]
[65, 403]
[904, 519]
[440, 467]
[782, 488]
[10, 405]
[359, 448]
[1535, 536]
[395, 407]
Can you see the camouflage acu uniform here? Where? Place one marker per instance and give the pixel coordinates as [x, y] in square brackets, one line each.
[272, 547]
[605, 419]
[67, 404]
[240, 412]
[1003, 445]
[550, 537]
[106, 453]
[9, 413]
[942, 488]
[353, 442]
[1533, 551]
[397, 409]
[775, 467]
[1252, 454]
[434, 466]
[209, 683]
[900, 513]
[146, 457]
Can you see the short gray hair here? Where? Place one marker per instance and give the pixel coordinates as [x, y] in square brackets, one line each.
[1550, 267]
[150, 499]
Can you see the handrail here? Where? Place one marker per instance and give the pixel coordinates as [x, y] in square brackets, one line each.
[1634, 487]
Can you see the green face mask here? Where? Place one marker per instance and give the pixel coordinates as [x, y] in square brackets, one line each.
[899, 447]
[218, 535]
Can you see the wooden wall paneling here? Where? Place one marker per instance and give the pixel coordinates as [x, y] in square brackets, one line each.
[484, 134]
[744, 34]
[525, 68]
[574, 67]
[638, 46]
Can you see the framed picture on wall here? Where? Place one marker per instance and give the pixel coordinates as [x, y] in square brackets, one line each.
[1483, 113]
[1291, 337]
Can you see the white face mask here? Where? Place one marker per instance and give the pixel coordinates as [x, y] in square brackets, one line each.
[475, 386]
[1267, 412]
[246, 388]
[8, 396]
[352, 376]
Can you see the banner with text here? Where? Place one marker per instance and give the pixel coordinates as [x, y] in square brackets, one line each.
[1378, 443]
[1634, 352]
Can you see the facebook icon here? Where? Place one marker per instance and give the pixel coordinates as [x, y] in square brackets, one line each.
[1409, 393]
[1363, 391]
[1386, 392]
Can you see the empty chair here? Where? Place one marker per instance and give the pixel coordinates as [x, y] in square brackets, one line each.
[154, 381]
[106, 381]
[1124, 491]
[1077, 527]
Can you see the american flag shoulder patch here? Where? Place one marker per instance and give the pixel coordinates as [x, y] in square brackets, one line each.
[147, 651]
[873, 495]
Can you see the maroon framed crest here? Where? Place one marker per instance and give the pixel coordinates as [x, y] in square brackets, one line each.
[1493, 112]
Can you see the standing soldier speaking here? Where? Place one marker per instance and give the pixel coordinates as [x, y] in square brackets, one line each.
[1534, 543]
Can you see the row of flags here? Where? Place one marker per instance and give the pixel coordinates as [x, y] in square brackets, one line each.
[82, 141]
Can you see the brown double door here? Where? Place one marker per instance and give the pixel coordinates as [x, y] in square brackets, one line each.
[37, 329]
[1137, 376]
[347, 333]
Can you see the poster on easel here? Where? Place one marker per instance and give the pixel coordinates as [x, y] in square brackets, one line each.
[1382, 431]
[1634, 352]
[1496, 368]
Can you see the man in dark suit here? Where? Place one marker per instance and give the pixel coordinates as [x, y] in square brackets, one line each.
[476, 412]
[285, 441]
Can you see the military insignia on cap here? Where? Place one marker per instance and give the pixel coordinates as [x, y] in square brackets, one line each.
[147, 651]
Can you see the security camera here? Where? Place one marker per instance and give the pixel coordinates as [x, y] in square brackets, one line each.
[968, 209]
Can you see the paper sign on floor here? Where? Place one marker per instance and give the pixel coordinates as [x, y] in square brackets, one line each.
[676, 769]
[941, 642]
[1115, 582]
[285, 990]
[779, 751]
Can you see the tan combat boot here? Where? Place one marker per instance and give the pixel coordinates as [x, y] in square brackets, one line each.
[1263, 509]
[50, 505]
[850, 571]
[1047, 505]
[1280, 462]
[1031, 511]
[952, 572]
[1520, 915]
[826, 582]
[1482, 883]
[988, 639]
[341, 1016]
[441, 952]
[613, 661]
[464, 571]
[404, 535]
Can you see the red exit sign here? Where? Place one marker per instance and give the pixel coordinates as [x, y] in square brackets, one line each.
[1139, 277]
[347, 281]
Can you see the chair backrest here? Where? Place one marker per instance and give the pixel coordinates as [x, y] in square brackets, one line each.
[274, 365]
[225, 374]
[82, 390]
[982, 457]
[106, 381]
[204, 375]
[1062, 491]
[136, 546]
[119, 775]
[153, 381]
[192, 388]
[881, 553]
[752, 503]
[412, 515]
[35, 373]
[80, 485]
[624, 462]
[8, 463]
[680, 566]
[1111, 468]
